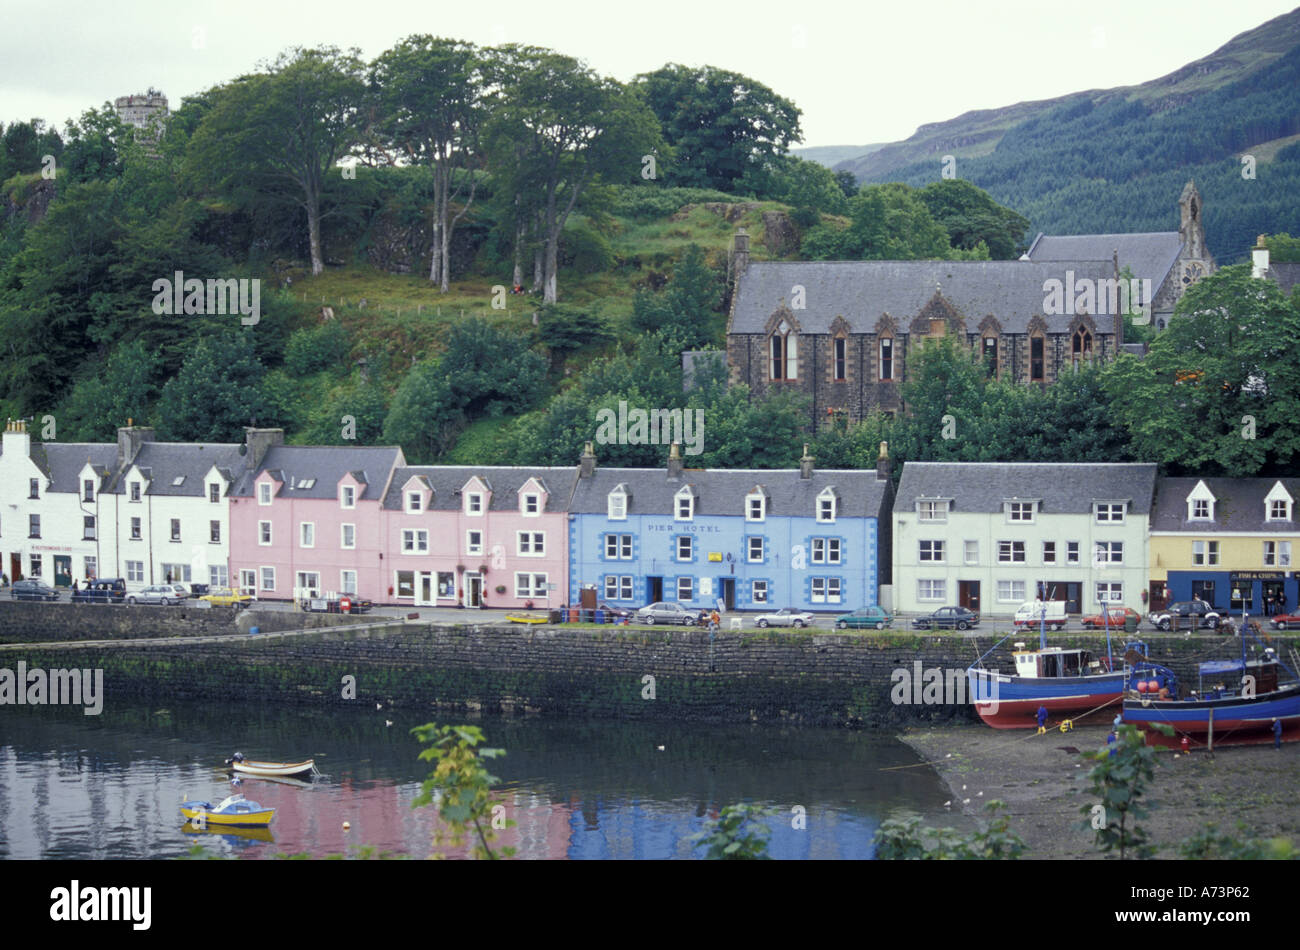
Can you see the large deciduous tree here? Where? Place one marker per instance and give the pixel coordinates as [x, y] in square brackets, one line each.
[719, 124]
[277, 134]
[430, 97]
[556, 128]
[1219, 390]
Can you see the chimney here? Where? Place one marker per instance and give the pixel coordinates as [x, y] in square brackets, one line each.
[17, 439]
[587, 464]
[884, 465]
[258, 442]
[129, 440]
[806, 463]
[675, 460]
[1259, 259]
[739, 253]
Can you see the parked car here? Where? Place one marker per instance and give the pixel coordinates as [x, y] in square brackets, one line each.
[226, 597]
[785, 617]
[618, 612]
[877, 617]
[103, 590]
[33, 590]
[1285, 622]
[198, 590]
[164, 594]
[666, 612]
[959, 618]
[1114, 616]
[180, 591]
[1185, 615]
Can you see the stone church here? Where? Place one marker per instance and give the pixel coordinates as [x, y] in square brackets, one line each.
[842, 331]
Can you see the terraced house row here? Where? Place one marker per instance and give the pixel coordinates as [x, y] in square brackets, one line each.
[279, 521]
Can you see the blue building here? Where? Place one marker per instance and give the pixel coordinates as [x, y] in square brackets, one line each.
[739, 539]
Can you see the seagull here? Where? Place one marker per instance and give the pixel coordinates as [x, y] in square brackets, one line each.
[948, 803]
[963, 788]
[980, 795]
[388, 722]
[659, 748]
[379, 705]
[948, 756]
[965, 801]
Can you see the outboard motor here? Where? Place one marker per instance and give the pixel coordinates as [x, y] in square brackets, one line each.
[237, 757]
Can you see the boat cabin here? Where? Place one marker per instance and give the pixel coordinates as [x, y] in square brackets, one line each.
[1053, 662]
[1218, 678]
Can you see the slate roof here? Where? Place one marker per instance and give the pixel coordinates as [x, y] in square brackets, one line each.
[327, 464]
[1286, 275]
[1239, 505]
[863, 291]
[1064, 488]
[1149, 254]
[723, 491]
[162, 462]
[65, 460]
[505, 482]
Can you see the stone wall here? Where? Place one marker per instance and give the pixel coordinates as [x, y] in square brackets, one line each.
[33, 622]
[431, 671]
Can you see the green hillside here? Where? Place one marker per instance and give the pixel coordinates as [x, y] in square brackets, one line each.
[1116, 160]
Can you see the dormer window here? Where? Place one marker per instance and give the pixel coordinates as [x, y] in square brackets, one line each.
[932, 510]
[827, 504]
[33, 488]
[684, 505]
[1110, 513]
[87, 489]
[135, 491]
[1277, 503]
[531, 504]
[214, 492]
[264, 493]
[474, 503]
[1200, 503]
[617, 505]
[1020, 512]
[348, 496]
[755, 507]
[414, 502]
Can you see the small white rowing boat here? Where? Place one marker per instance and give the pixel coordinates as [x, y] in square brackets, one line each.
[238, 763]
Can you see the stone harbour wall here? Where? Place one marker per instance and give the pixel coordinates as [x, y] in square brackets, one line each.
[827, 678]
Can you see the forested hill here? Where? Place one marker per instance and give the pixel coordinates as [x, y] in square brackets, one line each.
[1116, 159]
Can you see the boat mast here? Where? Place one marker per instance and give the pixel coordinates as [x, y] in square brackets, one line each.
[1042, 615]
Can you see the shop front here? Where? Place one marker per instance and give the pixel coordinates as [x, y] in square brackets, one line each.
[1254, 592]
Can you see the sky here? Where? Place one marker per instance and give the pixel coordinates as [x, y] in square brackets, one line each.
[861, 71]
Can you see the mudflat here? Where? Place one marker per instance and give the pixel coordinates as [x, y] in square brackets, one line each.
[1044, 782]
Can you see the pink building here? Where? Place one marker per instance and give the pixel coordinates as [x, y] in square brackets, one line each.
[478, 536]
[309, 518]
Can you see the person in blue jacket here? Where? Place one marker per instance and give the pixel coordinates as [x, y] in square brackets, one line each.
[1277, 733]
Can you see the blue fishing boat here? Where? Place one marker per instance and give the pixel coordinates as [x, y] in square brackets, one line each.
[1235, 701]
[1069, 682]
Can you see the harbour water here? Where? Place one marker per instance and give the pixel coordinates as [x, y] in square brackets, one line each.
[109, 786]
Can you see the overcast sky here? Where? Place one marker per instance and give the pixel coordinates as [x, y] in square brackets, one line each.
[861, 71]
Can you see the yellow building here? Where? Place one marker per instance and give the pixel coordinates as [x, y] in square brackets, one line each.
[1227, 541]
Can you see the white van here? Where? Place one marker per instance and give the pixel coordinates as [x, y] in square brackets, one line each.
[1031, 613]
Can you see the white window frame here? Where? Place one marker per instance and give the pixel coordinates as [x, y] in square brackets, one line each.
[265, 535]
[530, 504]
[218, 575]
[248, 580]
[263, 575]
[752, 501]
[348, 582]
[530, 543]
[686, 542]
[969, 557]
[689, 584]
[758, 592]
[1114, 591]
[1071, 552]
[470, 546]
[263, 493]
[684, 505]
[931, 589]
[347, 497]
[1114, 513]
[827, 506]
[306, 534]
[1279, 556]
[1011, 591]
[617, 506]
[1049, 559]
[134, 572]
[415, 541]
[343, 536]
[414, 502]
[474, 504]
[1113, 552]
[1020, 512]
[932, 511]
[1011, 552]
[935, 555]
[750, 542]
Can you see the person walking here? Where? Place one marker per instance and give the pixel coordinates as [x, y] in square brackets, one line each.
[1042, 719]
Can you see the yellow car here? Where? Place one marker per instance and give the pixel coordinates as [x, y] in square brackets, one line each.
[225, 597]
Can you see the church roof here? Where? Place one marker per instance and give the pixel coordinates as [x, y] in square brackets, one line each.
[861, 292]
[1150, 255]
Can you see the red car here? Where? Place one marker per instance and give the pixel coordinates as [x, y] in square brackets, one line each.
[1285, 622]
[1114, 616]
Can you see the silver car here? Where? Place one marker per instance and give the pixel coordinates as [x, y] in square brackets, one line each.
[164, 594]
[666, 612]
[785, 617]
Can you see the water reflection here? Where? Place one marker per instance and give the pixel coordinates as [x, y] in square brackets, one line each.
[73, 786]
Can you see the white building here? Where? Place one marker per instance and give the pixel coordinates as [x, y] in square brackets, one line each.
[990, 536]
[49, 495]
